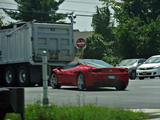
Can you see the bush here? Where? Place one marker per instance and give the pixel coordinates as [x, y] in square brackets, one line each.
[87, 112]
[95, 47]
[112, 60]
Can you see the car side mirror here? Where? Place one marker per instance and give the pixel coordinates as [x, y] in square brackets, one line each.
[59, 68]
[139, 63]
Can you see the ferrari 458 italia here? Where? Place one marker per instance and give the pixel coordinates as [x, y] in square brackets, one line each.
[87, 73]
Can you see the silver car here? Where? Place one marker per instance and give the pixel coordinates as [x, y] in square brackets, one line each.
[132, 65]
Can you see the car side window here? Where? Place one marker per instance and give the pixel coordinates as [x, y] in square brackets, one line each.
[141, 61]
[71, 65]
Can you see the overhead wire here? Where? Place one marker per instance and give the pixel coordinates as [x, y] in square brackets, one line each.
[82, 15]
[64, 9]
[70, 1]
[82, 2]
[81, 11]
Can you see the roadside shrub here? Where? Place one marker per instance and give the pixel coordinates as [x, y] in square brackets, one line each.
[87, 112]
[95, 47]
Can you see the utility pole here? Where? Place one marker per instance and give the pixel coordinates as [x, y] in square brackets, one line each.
[45, 78]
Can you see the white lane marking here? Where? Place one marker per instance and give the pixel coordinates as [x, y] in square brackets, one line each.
[151, 87]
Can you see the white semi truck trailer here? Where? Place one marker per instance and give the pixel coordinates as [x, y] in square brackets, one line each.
[21, 47]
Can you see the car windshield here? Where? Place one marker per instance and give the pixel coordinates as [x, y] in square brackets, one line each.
[95, 63]
[127, 62]
[153, 60]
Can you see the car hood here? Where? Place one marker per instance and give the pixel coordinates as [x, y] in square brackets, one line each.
[129, 67]
[149, 65]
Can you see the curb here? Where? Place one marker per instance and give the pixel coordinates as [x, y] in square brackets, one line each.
[154, 114]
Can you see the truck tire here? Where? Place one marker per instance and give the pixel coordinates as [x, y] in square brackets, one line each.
[23, 76]
[1, 77]
[9, 76]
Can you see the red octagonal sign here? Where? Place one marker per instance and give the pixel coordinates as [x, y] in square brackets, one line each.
[81, 43]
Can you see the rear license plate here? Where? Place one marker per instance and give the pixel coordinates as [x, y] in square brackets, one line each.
[111, 77]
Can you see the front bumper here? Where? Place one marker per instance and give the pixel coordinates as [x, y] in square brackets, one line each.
[148, 73]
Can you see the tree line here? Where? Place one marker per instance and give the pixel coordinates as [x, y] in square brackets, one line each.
[132, 30]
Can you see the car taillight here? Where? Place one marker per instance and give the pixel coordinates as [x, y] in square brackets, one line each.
[95, 70]
[123, 70]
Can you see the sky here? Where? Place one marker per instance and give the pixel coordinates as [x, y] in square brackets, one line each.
[79, 7]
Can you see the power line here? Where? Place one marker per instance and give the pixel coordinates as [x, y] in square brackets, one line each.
[9, 9]
[77, 11]
[43, 12]
[84, 15]
[59, 9]
[71, 1]
[8, 3]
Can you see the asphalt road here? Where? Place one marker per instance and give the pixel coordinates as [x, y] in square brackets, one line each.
[140, 94]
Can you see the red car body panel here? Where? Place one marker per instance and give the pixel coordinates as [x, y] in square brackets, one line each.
[101, 77]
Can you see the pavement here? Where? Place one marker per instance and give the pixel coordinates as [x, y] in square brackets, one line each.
[153, 113]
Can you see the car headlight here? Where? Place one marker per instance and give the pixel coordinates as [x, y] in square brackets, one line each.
[138, 68]
[155, 67]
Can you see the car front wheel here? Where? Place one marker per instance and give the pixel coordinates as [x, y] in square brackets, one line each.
[81, 82]
[54, 81]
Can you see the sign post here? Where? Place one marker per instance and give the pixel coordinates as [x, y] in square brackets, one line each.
[81, 43]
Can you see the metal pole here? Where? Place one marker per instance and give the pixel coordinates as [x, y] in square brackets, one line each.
[71, 17]
[45, 81]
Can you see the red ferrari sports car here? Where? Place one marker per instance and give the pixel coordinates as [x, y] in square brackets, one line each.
[86, 73]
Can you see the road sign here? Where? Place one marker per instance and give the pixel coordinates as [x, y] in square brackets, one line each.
[81, 43]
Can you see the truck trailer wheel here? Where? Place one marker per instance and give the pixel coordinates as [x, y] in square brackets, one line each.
[23, 76]
[9, 76]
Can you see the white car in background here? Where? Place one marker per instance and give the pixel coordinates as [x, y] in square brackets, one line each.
[150, 68]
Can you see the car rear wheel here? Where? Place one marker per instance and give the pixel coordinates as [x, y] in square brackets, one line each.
[120, 85]
[54, 81]
[81, 82]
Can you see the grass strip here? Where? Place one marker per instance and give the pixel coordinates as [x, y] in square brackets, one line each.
[86, 112]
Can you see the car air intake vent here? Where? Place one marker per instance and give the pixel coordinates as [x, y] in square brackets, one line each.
[123, 70]
[149, 68]
[96, 70]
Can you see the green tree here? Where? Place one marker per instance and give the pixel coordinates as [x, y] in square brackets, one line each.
[136, 39]
[127, 38]
[137, 30]
[126, 9]
[39, 10]
[101, 44]
[95, 47]
[101, 23]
